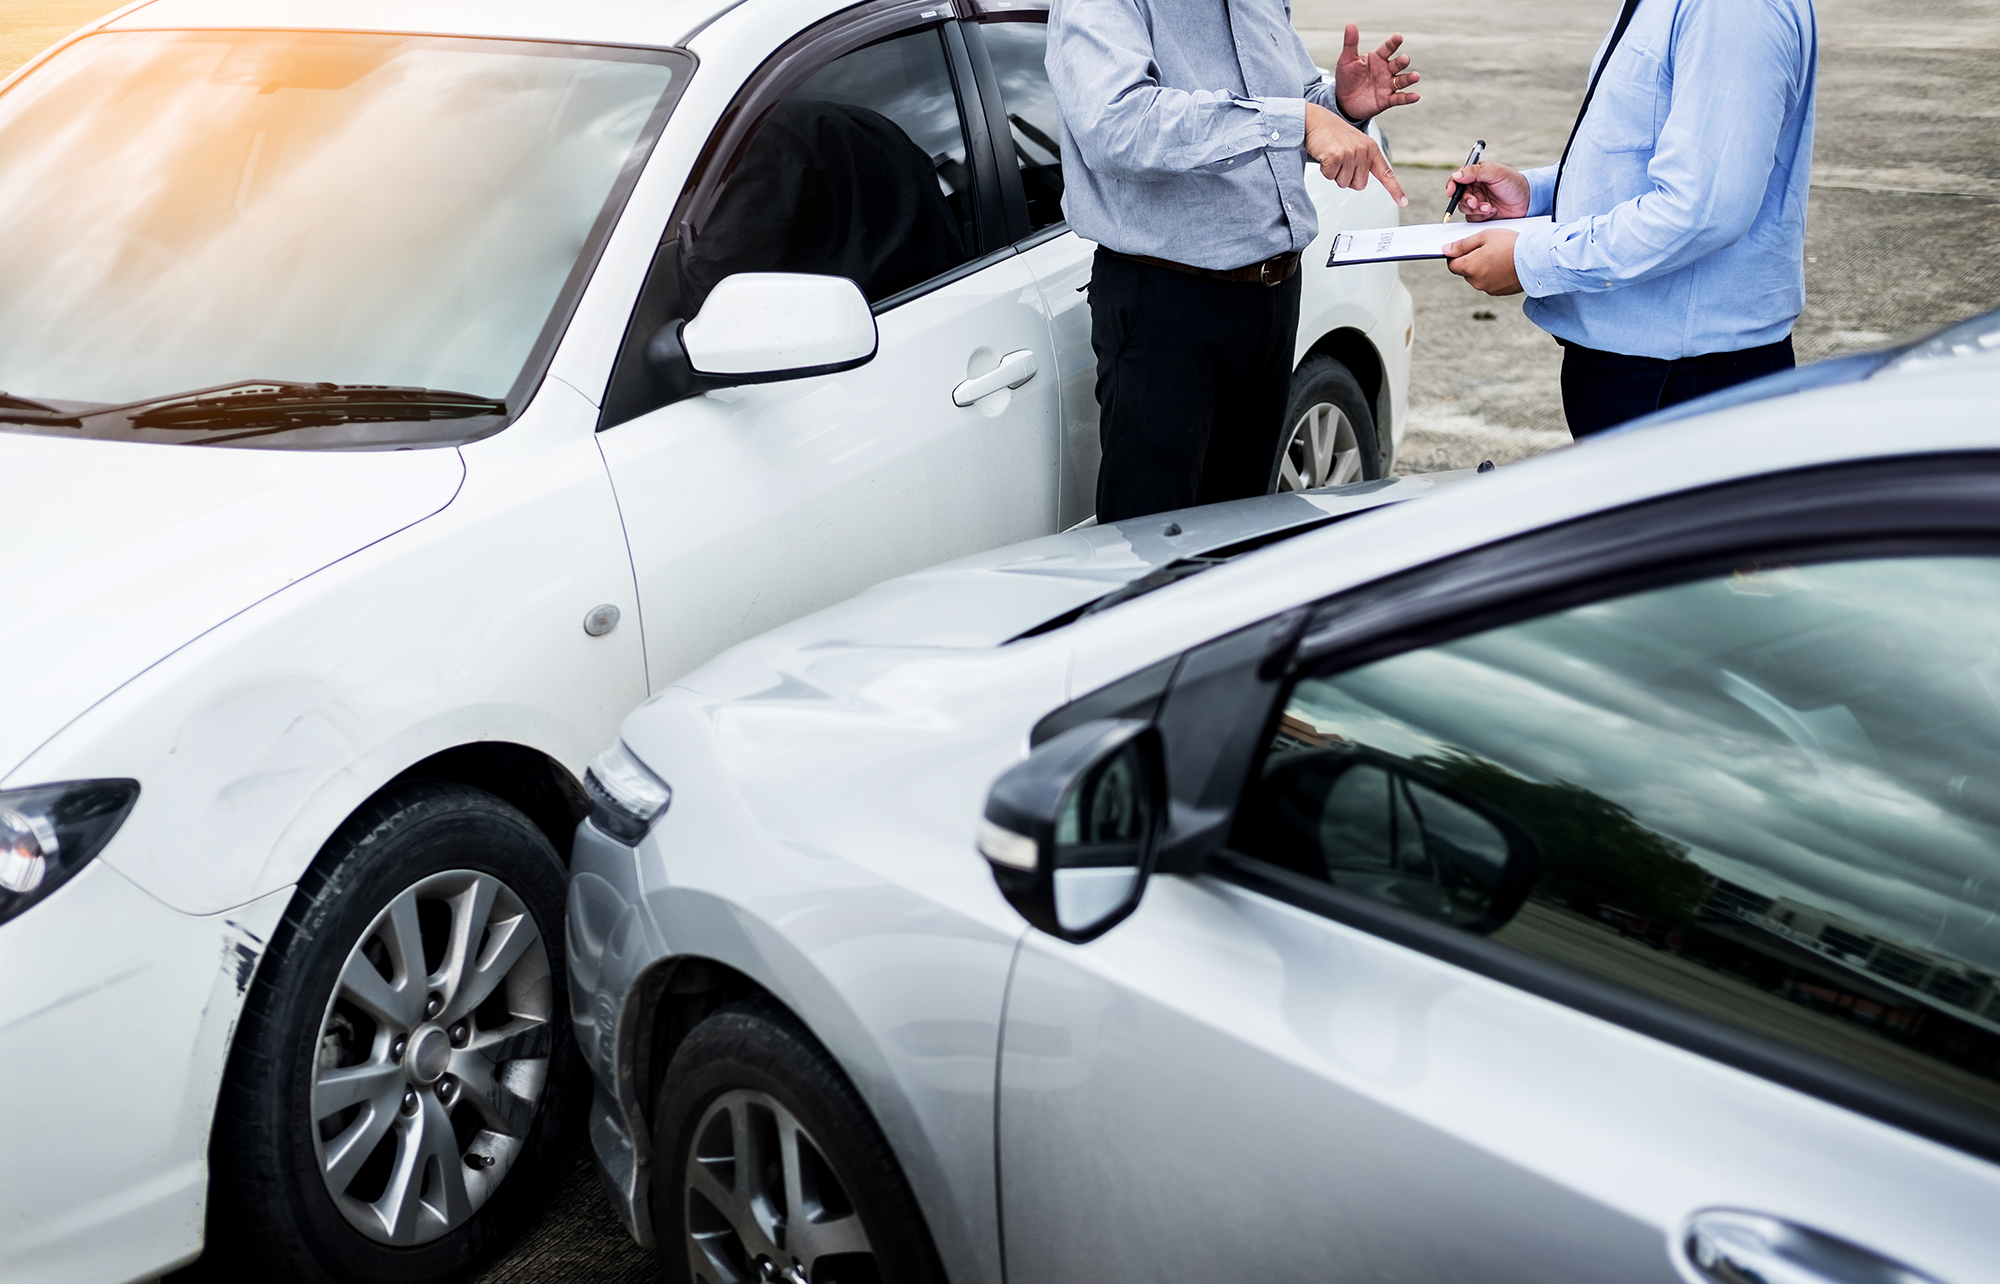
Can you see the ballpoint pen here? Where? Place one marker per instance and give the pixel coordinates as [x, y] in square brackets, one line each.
[1451, 206]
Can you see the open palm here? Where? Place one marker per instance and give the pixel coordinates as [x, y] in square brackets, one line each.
[1369, 84]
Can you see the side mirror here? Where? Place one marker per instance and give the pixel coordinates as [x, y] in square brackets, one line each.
[763, 327]
[1071, 833]
[1392, 830]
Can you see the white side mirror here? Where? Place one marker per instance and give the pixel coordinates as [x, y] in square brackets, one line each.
[759, 327]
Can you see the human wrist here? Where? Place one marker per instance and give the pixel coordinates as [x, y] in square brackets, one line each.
[1285, 122]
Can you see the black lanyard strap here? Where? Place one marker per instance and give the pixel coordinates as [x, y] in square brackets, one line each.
[1617, 34]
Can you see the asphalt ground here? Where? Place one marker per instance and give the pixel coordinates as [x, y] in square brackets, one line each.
[1901, 240]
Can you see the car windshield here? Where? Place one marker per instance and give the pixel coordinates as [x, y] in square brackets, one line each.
[186, 210]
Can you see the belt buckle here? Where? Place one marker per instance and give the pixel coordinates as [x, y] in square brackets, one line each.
[1264, 273]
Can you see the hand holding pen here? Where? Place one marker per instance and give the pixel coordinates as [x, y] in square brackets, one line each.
[1457, 188]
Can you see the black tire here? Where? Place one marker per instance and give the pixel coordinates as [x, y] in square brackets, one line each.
[1321, 380]
[754, 1054]
[272, 1212]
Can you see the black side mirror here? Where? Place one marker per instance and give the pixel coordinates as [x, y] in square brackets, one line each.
[1393, 830]
[1072, 832]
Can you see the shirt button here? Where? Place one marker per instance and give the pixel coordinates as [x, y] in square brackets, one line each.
[1274, 135]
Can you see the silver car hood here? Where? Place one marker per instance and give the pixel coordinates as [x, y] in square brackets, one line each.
[988, 599]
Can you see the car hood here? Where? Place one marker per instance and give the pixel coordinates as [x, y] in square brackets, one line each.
[116, 554]
[1038, 586]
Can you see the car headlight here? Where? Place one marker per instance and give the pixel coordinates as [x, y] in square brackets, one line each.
[625, 798]
[48, 832]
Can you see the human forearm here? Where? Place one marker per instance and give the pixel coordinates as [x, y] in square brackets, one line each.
[1128, 125]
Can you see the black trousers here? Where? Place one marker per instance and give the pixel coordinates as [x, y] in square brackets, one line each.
[1192, 378]
[1604, 389]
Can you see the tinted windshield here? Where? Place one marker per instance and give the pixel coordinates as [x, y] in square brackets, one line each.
[180, 210]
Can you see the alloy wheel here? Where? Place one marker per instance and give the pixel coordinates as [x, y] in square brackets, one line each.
[433, 1054]
[764, 1205]
[1322, 450]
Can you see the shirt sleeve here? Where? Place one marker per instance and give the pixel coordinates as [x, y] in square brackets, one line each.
[1711, 163]
[1128, 125]
[1541, 191]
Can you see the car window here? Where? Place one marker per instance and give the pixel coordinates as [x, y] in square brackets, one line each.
[860, 172]
[189, 209]
[1019, 51]
[1767, 798]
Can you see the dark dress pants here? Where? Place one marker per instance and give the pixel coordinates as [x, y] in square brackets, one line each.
[1192, 379]
[1604, 389]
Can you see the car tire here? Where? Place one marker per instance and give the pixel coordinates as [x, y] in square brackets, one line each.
[465, 1080]
[1330, 431]
[769, 1167]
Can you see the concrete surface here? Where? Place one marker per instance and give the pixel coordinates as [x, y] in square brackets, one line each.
[1906, 185]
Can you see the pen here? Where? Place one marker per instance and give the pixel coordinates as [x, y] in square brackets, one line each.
[1451, 206]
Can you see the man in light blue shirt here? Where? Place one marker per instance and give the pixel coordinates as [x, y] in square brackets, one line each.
[1675, 263]
[1185, 128]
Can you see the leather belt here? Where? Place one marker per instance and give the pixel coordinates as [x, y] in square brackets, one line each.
[1275, 270]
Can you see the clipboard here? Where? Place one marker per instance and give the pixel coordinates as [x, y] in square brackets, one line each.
[1414, 240]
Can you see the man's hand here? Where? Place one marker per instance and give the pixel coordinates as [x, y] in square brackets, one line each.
[1345, 154]
[1486, 260]
[1491, 191]
[1368, 85]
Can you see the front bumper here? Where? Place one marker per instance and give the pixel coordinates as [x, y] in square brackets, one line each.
[115, 1021]
[610, 945]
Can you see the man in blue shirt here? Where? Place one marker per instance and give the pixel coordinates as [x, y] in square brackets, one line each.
[1185, 129]
[1675, 264]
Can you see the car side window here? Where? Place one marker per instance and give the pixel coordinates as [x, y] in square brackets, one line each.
[1019, 51]
[860, 172]
[1766, 798]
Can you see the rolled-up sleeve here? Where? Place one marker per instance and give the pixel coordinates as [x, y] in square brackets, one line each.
[1126, 124]
[1710, 165]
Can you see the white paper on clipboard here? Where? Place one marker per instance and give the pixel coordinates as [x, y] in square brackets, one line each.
[1413, 240]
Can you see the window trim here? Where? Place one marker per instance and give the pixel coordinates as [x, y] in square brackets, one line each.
[1013, 191]
[1903, 507]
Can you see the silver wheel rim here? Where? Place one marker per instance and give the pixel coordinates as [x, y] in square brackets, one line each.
[433, 1053]
[1322, 450]
[762, 1203]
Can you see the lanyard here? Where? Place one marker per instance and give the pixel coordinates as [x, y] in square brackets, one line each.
[1617, 34]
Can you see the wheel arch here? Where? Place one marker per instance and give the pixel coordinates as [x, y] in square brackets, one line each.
[1353, 349]
[527, 779]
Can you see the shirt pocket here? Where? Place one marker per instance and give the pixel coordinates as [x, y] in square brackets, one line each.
[1630, 104]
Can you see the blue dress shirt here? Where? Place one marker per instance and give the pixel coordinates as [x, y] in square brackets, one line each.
[1683, 220]
[1183, 131]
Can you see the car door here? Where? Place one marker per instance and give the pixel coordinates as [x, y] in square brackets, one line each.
[1009, 43]
[860, 153]
[1615, 904]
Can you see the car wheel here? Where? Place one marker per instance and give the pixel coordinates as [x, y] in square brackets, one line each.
[771, 1167]
[1332, 439]
[403, 1072]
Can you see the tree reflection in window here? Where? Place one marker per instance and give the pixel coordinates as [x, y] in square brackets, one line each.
[1766, 797]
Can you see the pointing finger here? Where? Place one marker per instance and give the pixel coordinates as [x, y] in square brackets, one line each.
[1379, 164]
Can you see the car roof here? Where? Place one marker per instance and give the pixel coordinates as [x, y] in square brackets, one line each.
[624, 22]
[1940, 408]
[1977, 338]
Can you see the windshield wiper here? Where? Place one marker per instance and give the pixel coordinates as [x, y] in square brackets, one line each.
[8, 401]
[268, 402]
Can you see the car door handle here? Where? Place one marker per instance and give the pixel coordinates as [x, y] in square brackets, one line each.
[1730, 1246]
[1015, 369]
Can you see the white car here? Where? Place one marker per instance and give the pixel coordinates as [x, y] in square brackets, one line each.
[361, 475]
[1584, 871]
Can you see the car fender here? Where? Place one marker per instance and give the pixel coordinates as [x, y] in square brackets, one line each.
[891, 945]
[254, 743]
